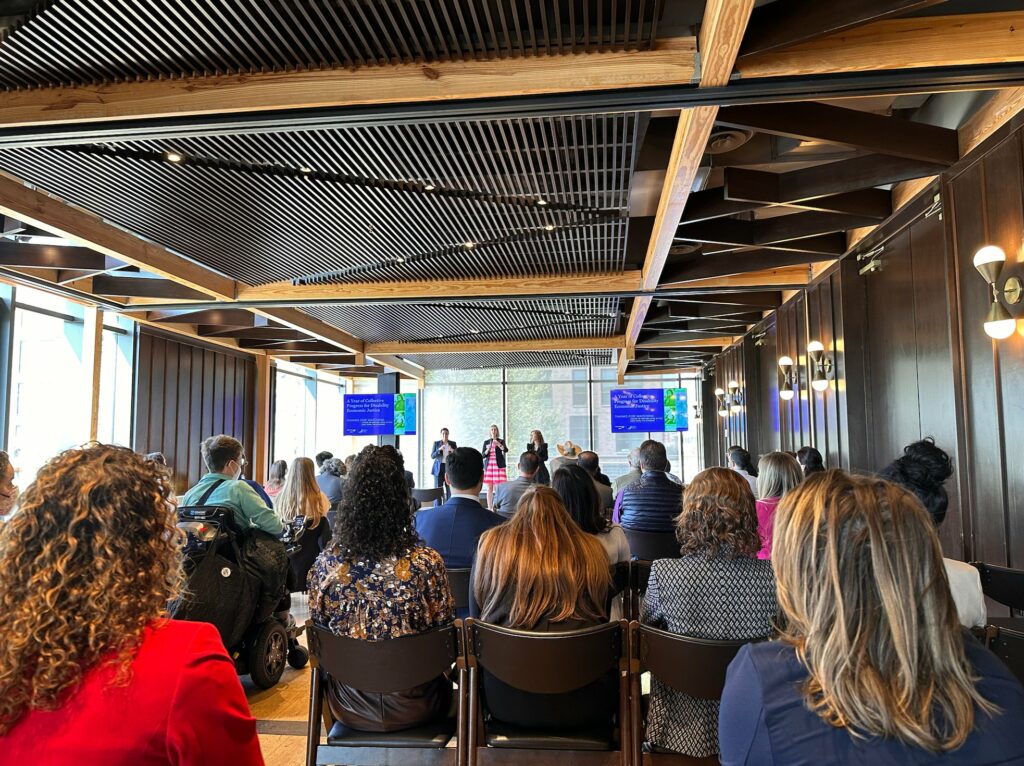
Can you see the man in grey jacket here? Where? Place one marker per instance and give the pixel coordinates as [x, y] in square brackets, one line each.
[507, 495]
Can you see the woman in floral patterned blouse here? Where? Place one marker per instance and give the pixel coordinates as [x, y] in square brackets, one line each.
[377, 581]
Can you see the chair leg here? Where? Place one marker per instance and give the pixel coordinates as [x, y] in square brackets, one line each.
[460, 721]
[313, 726]
[472, 718]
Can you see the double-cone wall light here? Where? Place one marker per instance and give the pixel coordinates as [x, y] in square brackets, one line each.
[787, 389]
[821, 365]
[999, 323]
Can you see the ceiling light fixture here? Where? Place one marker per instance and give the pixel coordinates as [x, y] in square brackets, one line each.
[428, 186]
[734, 393]
[549, 227]
[787, 390]
[469, 245]
[173, 157]
[723, 404]
[542, 201]
[305, 170]
[999, 323]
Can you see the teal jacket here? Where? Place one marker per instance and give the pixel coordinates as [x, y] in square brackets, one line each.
[249, 508]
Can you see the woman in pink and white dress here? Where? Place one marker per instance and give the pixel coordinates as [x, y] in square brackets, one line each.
[494, 463]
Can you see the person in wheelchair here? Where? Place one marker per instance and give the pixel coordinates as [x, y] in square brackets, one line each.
[265, 553]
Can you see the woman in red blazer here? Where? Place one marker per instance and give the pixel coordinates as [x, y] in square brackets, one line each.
[91, 671]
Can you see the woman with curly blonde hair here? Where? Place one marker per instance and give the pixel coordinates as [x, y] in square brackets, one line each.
[88, 565]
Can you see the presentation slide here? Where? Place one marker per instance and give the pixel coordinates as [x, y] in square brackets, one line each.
[386, 414]
[638, 410]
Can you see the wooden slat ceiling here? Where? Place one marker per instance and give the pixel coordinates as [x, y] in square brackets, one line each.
[509, 320]
[510, 359]
[534, 196]
[95, 41]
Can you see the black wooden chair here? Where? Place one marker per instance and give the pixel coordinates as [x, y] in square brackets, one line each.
[650, 546]
[1008, 645]
[426, 497]
[545, 663]
[622, 581]
[458, 581]
[640, 576]
[384, 666]
[694, 666]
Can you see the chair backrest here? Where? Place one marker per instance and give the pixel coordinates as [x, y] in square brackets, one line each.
[1002, 584]
[1008, 645]
[458, 581]
[428, 496]
[384, 666]
[546, 663]
[695, 666]
[652, 545]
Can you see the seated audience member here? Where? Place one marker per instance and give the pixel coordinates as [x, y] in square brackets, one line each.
[303, 507]
[740, 462]
[225, 459]
[873, 666]
[348, 465]
[718, 590]
[651, 504]
[923, 469]
[540, 572]
[321, 458]
[590, 462]
[157, 457]
[578, 492]
[8, 489]
[672, 476]
[275, 478]
[506, 496]
[374, 582]
[92, 671]
[567, 454]
[453, 529]
[777, 474]
[630, 477]
[810, 460]
[331, 478]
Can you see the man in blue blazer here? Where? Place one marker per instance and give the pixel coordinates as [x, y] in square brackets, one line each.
[439, 452]
[454, 528]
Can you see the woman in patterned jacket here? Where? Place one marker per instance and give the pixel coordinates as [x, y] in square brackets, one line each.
[377, 581]
[718, 590]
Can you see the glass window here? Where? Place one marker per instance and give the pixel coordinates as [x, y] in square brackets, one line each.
[552, 407]
[50, 381]
[114, 425]
[329, 393]
[295, 414]
[466, 409]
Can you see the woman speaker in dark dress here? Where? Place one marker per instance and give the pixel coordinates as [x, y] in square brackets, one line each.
[539, 447]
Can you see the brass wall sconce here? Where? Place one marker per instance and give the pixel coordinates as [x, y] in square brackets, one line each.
[821, 365]
[723, 402]
[787, 390]
[999, 323]
[734, 395]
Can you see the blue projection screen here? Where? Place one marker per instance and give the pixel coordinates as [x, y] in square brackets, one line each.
[639, 410]
[379, 414]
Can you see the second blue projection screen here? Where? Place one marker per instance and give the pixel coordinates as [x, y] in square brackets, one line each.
[655, 410]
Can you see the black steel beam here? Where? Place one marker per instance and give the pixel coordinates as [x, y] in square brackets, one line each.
[752, 91]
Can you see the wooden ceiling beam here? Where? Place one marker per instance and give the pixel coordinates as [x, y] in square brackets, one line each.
[811, 121]
[933, 41]
[288, 346]
[252, 333]
[143, 287]
[326, 359]
[35, 207]
[316, 328]
[850, 175]
[722, 28]
[226, 317]
[786, 23]
[703, 343]
[28, 256]
[670, 62]
[403, 366]
[705, 267]
[541, 344]
[349, 370]
[540, 285]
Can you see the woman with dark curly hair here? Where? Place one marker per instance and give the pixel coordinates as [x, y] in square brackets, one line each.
[377, 581]
[718, 590]
[87, 567]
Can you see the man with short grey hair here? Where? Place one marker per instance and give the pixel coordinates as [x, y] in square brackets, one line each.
[590, 462]
[634, 473]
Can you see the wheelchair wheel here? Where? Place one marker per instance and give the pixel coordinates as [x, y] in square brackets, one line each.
[268, 654]
[298, 656]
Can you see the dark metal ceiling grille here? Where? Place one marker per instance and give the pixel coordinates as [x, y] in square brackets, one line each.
[68, 42]
[260, 226]
[476, 322]
[511, 359]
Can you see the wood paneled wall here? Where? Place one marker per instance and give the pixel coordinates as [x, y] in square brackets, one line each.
[185, 393]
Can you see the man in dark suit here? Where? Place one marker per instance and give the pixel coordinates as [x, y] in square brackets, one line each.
[506, 496]
[439, 452]
[454, 528]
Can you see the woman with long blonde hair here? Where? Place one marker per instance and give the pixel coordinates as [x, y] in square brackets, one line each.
[539, 571]
[303, 508]
[88, 565]
[777, 474]
[872, 665]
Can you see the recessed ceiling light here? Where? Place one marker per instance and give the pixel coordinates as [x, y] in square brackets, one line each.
[542, 201]
[429, 187]
[549, 227]
[469, 245]
[400, 259]
[474, 331]
[173, 157]
[306, 169]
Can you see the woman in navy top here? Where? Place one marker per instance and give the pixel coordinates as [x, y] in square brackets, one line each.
[872, 667]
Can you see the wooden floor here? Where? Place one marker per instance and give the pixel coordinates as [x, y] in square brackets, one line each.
[281, 712]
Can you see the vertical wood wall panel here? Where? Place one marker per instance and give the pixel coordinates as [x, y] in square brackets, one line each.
[186, 393]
